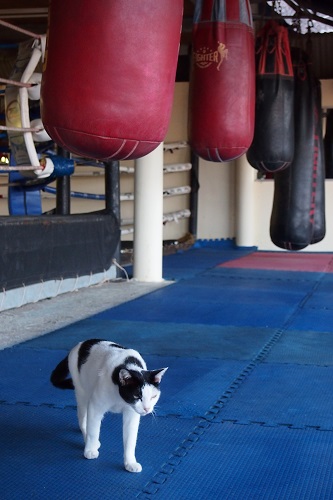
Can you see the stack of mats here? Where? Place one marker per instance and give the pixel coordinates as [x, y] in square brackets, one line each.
[246, 410]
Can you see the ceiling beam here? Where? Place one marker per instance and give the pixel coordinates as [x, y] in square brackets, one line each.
[306, 13]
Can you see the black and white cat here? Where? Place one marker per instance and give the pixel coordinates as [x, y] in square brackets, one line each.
[109, 378]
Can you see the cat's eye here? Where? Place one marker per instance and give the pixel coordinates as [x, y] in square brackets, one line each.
[153, 397]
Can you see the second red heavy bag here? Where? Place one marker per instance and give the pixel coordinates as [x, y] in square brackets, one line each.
[109, 75]
[222, 86]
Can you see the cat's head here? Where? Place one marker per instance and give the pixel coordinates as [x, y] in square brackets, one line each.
[140, 388]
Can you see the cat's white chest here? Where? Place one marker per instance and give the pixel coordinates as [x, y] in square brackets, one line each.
[106, 394]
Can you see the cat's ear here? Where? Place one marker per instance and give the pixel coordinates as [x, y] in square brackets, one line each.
[157, 375]
[125, 378]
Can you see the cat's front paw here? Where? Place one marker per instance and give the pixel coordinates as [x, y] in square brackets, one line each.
[133, 467]
[91, 454]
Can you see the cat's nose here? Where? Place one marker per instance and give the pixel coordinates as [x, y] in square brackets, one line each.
[147, 410]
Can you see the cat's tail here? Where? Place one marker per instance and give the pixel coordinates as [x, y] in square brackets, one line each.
[59, 376]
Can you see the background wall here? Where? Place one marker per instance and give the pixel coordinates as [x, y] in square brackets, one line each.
[216, 203]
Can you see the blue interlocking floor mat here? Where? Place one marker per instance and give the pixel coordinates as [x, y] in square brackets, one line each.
[291, 395]
[43, 455]
[246, 410]
[303, 347]
[247, 462]
[163, 339]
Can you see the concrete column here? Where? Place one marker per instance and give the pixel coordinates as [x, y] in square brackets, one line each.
[148, 217]
[245, 176]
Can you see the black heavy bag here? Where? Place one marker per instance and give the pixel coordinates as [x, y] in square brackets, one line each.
[328, 144]
[272, 148]
[318, 202]
[292, 218]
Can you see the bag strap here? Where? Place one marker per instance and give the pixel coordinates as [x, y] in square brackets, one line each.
[223, 11]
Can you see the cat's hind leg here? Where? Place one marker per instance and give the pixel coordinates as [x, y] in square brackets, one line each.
[94, 420]
[82, 408]
[131, 421]
[80, 393]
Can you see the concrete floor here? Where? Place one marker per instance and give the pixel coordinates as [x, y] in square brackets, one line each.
[33, 320]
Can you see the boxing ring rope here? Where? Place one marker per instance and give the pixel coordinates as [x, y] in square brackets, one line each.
[170, 146]
[36, 56]
[15, 83]
[170, 168]
[20, 30]
[123, 169]
[167, 217]
[5, 168]
[21, 129]
[175, 191]
[29, 87]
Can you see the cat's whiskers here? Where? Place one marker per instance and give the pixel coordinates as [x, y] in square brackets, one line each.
[153, 413]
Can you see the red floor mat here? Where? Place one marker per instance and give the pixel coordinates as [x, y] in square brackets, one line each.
[283, 261]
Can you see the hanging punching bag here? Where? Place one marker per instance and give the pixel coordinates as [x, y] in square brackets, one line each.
[272, 148]
[109, 75]
[296, 195]
[222, 85]
[318, 217]
[328, 144]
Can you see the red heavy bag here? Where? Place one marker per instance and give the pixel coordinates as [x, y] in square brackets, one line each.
[109, 75]
[222, 87]
[272, 148]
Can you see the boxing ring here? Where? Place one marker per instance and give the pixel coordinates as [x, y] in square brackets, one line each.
[57, 252]
[96, 248]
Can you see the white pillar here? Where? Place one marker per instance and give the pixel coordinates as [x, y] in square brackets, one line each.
[245, 176]
[148, 217]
